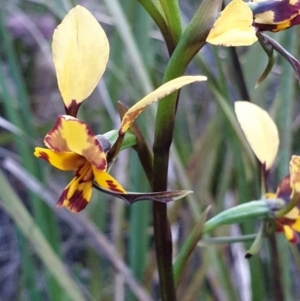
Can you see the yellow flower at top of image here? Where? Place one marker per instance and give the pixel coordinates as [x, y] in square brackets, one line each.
[239, 21]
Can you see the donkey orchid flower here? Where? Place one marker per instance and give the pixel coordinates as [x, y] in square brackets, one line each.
[239, 21]
[72, 146]
[288, 190]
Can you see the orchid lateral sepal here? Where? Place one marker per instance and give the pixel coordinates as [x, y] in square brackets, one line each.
[132, 197]
[285, 54]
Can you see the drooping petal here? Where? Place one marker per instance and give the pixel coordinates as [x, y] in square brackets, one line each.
[296, 224]
[234, 26]
[76, 195]
[260, 131]
[73, 135]
[290, 234]
[60, 160]
[106, 181]
[80, 53]
[154, 96]
[295, 174]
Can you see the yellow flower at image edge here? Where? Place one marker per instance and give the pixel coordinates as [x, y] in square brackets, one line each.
[72, 146]
[290, 222]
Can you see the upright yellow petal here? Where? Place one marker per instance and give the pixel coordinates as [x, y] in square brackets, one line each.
[234, 26]
[80, 53]
[260, 131]
[154, 96]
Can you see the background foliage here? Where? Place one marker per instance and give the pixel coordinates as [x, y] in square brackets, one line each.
[106, 252]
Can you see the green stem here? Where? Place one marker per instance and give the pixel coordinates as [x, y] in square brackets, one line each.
[158, 18]
[172, 13]
[190, 43]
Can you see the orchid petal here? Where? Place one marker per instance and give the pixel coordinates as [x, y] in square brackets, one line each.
[154, 96]
[290, 234]
[76, 195]
[234, 26]
[260, 131]
[80, 53]
[105, 180]
[60, 160]
[296, 224]
[73, 135]
[295, 173]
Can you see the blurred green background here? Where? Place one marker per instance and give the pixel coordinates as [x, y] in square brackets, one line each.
[106, 252]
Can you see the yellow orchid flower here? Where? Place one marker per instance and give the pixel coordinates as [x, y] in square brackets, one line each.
[239, 21]
[73, 146]
[288, 190]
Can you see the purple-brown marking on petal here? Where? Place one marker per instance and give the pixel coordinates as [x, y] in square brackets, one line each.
[101, 163]
[295, 238]
[77, 202]
[53, 138]
[283, 10]
[284, 189]
[113, 186]
[63, 197]
[44, 156]
[73, 108]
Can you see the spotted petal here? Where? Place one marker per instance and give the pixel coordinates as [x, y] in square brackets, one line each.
[80, 53]
[60, 160]
[103, 179]
[234, 26]
[260, 131]
[73, 135]
[290, 234]
[76, 195]
[154, 96]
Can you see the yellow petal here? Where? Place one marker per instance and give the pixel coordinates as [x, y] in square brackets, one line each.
[290, 234]
[234, 26]
[76, 195]
[293, 214]
[296, 224]
[106, 181]
[80, 53]
[295, 173]
[260, 131]
[73, 135]
[60, 160]
[154, 96]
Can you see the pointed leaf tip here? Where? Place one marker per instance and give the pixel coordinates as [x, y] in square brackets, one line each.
[260, 130]
[80, 54]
